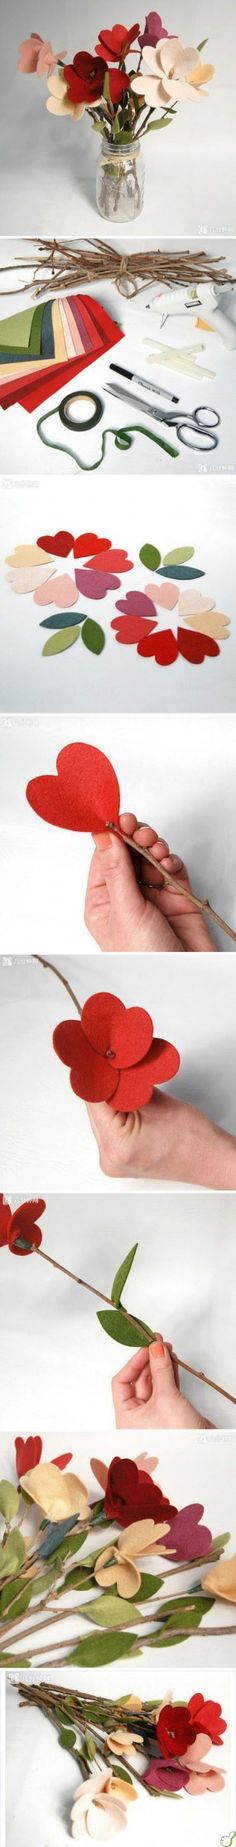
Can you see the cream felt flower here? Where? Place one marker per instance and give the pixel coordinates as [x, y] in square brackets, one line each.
[58, 101]
[99, 1806]
[177, 74]
[143, 1536]
[58, 1495]
[222, 1579]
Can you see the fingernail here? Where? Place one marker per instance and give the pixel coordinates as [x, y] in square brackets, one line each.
[103, 841]
[157, 1348]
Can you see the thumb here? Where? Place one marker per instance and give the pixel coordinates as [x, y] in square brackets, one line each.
[119, 873]
[161, 1368]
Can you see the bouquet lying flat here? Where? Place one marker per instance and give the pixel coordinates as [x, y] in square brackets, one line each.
[122, 103]
[57, 1573]
[165, 1744]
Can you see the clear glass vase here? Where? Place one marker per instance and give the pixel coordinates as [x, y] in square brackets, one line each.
[120, 181]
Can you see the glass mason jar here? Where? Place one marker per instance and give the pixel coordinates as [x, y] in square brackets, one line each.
[120, 180]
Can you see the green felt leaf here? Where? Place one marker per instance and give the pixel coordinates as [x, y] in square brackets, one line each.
[180, 573]
[93, 636]
[180, 1613]
[62, 640]
[79, 1579]
[45, 1581]
[15, 1598]
[164, 122]
[12, 1554]
[98, 1650]
[114, 1324]
[220, 1542]
[121, 1275]
[150, 557]
[124, 1774]
[180, 555]
[7, 1660]
[109, 1611]
[203, 42]
[90, 1745]
[106, 88]
[67, 1739]
[70, 1545]
[61, 622]
[9, 1501]
[148, 1588]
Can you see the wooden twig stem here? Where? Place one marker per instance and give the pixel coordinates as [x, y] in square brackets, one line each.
[65, 984]
[132, 1322]
[201, 904]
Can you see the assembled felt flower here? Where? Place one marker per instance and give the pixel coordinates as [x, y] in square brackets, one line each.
[113, 1055]
[99, 1806]
[206, 1716]
[116, 44]
[165, 1777]
[116, 1564]
[153, 30]
[174, 1730]
[36, 54]
[177, 74]
[124, 1744]
[132, 1495]
[28, 1455]
[188, 1539]
[58, 1496]
[222, 1579]
[19, 1229]
[35, 567]
[204, 1779]
[59, 101]
[85, 78]
[142, 612]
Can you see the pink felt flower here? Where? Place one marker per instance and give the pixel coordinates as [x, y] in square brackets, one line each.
[36, 54]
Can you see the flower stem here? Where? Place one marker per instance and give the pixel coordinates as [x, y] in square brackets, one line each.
[202, 904]
[66, 984]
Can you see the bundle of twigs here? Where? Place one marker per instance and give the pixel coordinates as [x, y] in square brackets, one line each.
[70, 266]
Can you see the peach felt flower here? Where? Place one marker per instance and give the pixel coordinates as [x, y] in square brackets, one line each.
[99, 1806]
[176, 74]
[36, 54]
[116, 1564]
[123, 1743]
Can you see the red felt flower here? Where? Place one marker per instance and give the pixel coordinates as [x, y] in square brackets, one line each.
[206, 1716]
[85, 78]
[115, 44]
[5, 1220]
[175, 1731]
[132, 1495]
[28, 1453]
[22, 1232]
[113, 1055]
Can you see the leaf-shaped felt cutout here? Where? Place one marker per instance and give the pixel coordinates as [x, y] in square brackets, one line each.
[12, 1554]
[79, 1579]
[109, 1611]
[180, 555]
[17, 1603]
[121, 1275]
[9, 1501]
[67, 1738]
[93, 636]
[64, 639]
[61, 622]
[98, 1650]
[148, 1587]
[58, 1538]
[116, 1325]
[182, 572]
[150, 556]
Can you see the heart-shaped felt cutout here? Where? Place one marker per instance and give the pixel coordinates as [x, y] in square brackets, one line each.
[61, 543]
[192, 604]
[111, 1027]
[163, 647]
[195, 647]
[188, 1539]
[95, 584]
[60, 590]
[88, 542]
[135, 1087]
[130, 629]
[26, 555]
[135, 603]
[22, 581]
[117, 561]
[164, 594]
[83, 796]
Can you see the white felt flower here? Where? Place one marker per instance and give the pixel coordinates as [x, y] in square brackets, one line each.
[99, 1806]
[58, 101]
[177, 74]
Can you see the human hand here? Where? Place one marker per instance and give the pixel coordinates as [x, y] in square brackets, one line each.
[167, 1140]
[127, 905]
[146, 1394]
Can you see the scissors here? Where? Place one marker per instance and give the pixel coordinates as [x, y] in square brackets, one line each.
[204, 433]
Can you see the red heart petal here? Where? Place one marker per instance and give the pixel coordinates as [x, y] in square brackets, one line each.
[25, 1215]
[117, 561]
[109, 1026]
[88, 542]
[92, 1076]
[32, 1236]
[163, 1060]
[135, 1087]
[162, 646]
[61, 543]
[83, 796]
[132, 628]
[194, 647]
[27, 1454]
[5, 1221]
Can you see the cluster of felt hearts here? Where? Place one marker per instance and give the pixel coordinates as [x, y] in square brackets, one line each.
[97, 568]
[112, 1054]
[19, 1229]
[141, 611]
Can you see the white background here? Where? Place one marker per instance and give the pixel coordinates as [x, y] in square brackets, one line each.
[183, 782]
[182, 1282]
[20, 445]
[50, 164]
[47, 1142]
[39, 1809]
[196, 512]
[198, 1467]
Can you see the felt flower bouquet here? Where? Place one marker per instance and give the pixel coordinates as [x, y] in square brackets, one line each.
[122, 102]
[84, 1559]
[162, 1746]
